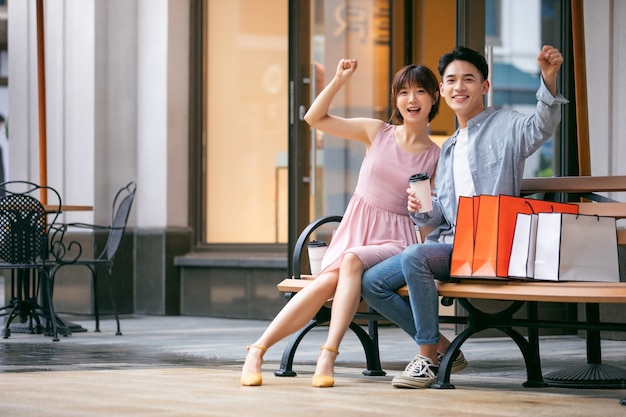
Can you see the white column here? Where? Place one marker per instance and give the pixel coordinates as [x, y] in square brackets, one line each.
[605, 50]
[162, 111]
[117, 103]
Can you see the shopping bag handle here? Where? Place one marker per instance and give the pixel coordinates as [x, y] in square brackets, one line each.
[532, 210]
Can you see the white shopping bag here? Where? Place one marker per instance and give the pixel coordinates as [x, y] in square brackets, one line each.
[573, 247]
[522, 260]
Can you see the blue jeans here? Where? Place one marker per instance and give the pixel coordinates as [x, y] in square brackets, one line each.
[417, 267]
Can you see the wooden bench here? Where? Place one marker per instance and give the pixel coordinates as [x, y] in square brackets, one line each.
[519, 293]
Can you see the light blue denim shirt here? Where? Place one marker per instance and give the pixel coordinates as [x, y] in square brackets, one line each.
[499, 143]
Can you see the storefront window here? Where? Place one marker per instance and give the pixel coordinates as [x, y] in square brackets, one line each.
[246, 121]
[515, 33]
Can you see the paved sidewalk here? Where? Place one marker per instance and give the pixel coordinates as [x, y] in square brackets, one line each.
[165, 366]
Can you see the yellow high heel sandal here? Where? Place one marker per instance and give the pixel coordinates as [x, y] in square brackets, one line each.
[324, 381]
[253, 379]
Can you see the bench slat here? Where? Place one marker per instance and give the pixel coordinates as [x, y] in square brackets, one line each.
[617, 210]
[580, 184]
[568, 292]
[564, 292]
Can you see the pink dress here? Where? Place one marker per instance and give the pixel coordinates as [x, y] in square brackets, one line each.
[376, 224]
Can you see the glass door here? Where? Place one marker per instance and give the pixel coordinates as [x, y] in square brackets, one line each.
[514, 35]
[323, 169]
[383, 35]
[345, 29]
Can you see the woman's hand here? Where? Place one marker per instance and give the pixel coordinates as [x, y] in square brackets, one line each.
[345, 68]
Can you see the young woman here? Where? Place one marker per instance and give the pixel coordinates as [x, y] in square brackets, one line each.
[376, 224]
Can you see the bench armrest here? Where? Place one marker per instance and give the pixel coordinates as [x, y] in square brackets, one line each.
[304, 237]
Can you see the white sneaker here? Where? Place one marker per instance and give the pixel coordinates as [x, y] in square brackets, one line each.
[458, 364]
[419, 373]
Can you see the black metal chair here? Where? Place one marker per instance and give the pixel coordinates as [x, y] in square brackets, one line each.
[24, 250]
[120, 211]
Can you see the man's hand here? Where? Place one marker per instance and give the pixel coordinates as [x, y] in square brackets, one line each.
[550, 60]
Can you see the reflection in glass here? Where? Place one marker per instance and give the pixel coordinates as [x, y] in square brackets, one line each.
[348, 29]
[516, 31]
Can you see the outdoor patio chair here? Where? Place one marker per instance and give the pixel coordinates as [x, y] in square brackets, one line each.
[24, 250]
[120, 211]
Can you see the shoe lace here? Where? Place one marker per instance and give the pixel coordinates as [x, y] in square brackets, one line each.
[420, 366]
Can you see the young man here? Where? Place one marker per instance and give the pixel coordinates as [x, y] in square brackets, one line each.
[485, 155]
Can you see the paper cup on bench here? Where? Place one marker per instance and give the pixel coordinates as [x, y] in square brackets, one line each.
[316, 250]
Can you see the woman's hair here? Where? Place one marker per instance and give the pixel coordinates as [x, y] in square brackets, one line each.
[414, 76]
[462, 53]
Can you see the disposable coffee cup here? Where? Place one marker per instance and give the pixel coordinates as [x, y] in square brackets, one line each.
[317, 250]
[420, 183]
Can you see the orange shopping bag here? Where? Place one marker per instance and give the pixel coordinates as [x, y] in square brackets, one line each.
[495, 227]
[465, 230]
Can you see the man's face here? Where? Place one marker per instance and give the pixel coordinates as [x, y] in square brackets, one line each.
[463, 89]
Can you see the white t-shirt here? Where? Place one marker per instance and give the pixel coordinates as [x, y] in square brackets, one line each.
[463, 183]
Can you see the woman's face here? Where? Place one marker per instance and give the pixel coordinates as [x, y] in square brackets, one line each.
[414, 103]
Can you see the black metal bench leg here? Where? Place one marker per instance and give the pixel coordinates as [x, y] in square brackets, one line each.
[445, 367]
[370, 346]
[369, 341]
[531, 359]
[286, 363]
[530, 349]
[534, 378]
[478, 321]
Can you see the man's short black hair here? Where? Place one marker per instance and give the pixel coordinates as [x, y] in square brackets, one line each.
[462, 53]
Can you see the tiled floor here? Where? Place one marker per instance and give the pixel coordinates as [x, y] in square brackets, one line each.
[187, 366]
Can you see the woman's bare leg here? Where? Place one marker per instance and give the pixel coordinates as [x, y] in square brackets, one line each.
[293, 316]
[345, 305]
